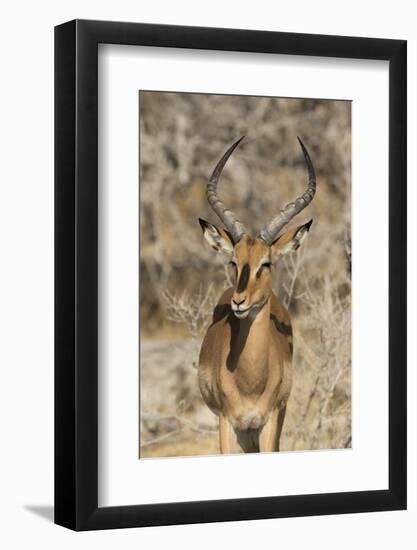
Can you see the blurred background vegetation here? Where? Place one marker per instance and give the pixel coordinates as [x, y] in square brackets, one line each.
[182, 136]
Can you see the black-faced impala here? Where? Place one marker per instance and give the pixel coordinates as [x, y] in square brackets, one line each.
[245, 366]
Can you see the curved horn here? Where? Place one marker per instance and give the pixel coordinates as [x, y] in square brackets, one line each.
[270, 232]
[226, 216]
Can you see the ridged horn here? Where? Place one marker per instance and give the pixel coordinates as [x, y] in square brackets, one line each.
[226, 216]
[271, 231]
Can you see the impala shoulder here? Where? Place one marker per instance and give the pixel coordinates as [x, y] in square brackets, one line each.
[207, 388]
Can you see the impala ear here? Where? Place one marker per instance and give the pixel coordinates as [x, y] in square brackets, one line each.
[219, 239]
[290, 240]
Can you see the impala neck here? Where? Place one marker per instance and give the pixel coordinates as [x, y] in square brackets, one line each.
[250, 346]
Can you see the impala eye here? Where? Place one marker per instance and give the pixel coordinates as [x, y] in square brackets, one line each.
[265, 265]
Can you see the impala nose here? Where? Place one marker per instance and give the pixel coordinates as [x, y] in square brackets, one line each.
[238, 302]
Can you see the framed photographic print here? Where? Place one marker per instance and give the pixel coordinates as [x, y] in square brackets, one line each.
[230, 236]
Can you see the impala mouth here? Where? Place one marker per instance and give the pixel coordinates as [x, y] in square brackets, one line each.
[241, 313]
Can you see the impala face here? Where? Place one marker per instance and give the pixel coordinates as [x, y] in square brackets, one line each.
[252, 261]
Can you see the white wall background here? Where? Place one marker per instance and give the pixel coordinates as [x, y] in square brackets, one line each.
[26, 288]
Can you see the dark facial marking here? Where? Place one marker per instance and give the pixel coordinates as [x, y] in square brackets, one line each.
[244, 278]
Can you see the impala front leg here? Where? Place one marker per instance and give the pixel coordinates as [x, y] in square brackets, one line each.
[228, 439]
[271, 432]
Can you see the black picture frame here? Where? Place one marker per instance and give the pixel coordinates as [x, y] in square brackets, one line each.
[76, 272]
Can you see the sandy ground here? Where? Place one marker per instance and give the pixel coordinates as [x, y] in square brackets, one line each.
[176, 422]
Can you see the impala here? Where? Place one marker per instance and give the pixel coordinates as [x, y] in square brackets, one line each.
[245, 365]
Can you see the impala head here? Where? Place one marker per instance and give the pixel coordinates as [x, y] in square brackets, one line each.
[252, 258]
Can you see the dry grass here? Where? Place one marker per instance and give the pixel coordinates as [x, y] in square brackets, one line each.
[182, 136]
